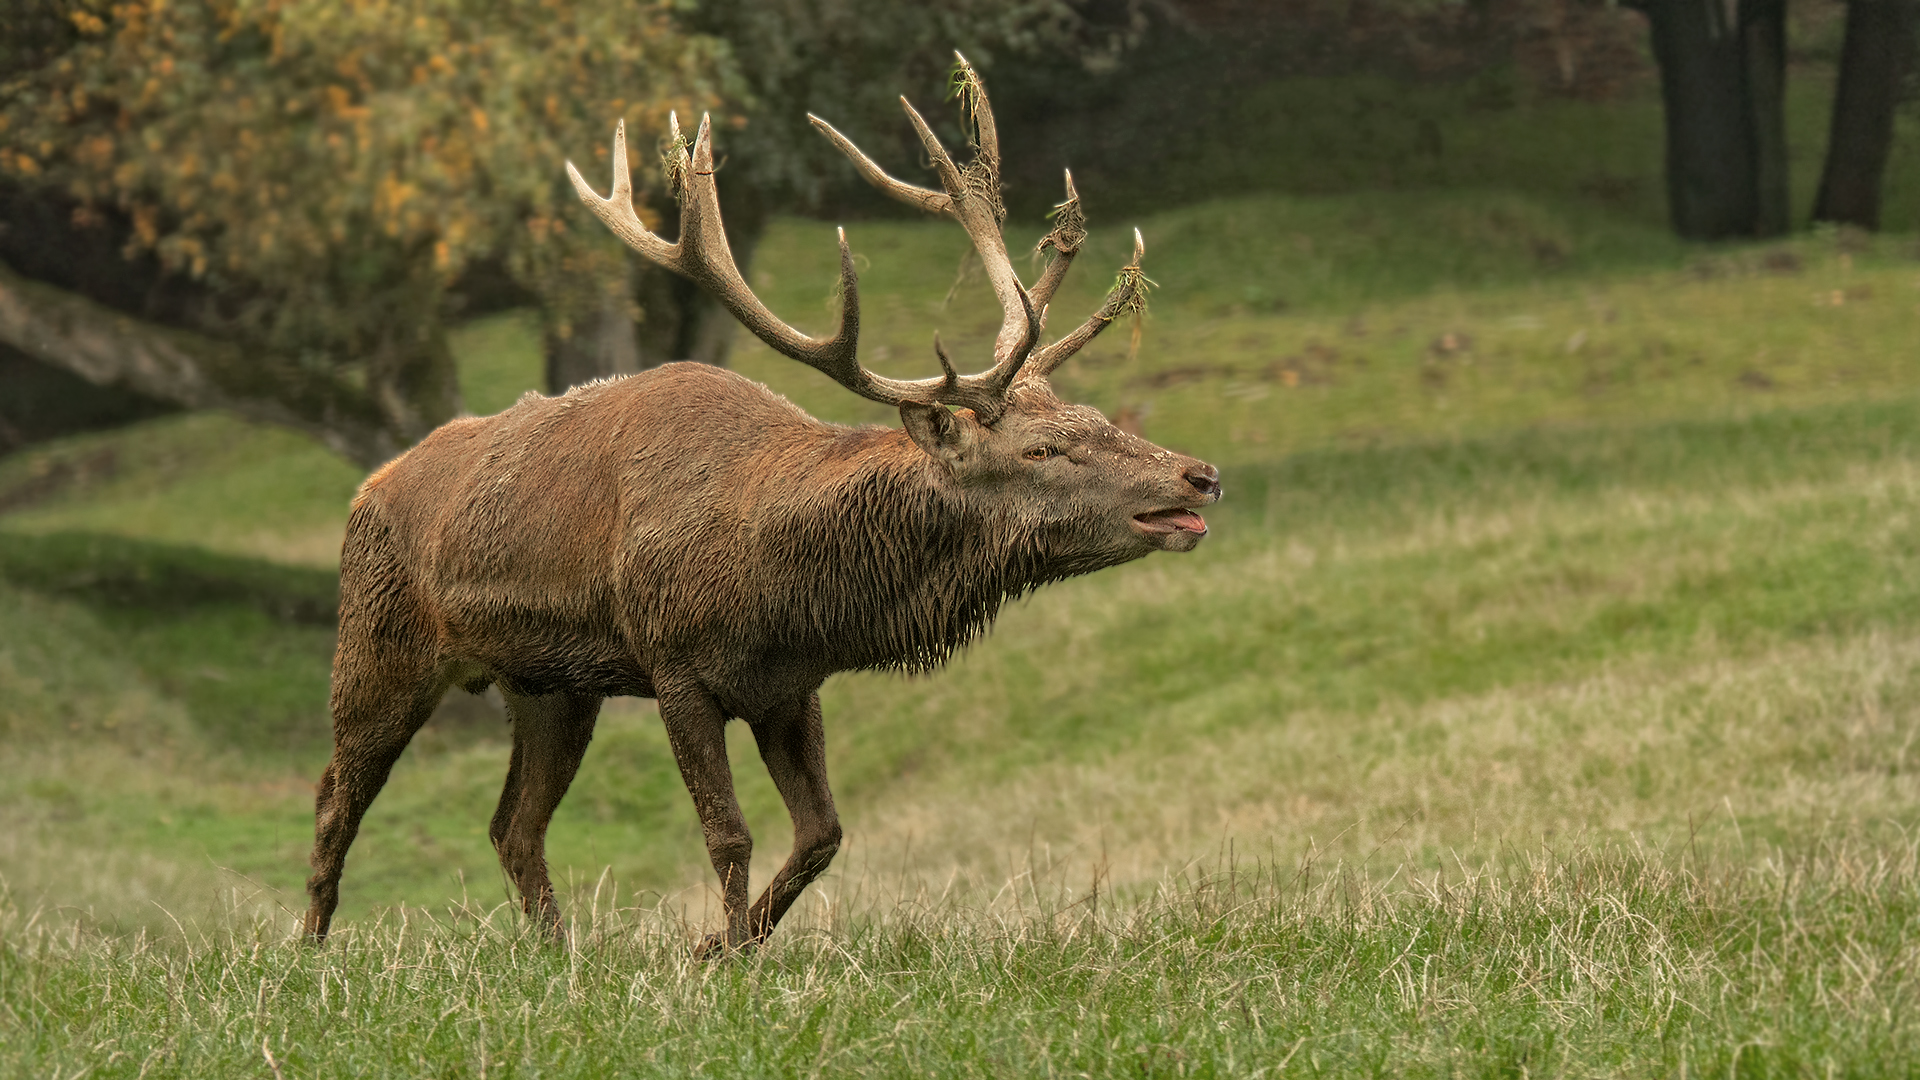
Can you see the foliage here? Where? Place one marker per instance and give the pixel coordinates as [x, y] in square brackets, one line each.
[850, 61]
[327, 168]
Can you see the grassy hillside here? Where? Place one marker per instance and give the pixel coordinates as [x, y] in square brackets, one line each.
[1445, 505]
[1554, 665]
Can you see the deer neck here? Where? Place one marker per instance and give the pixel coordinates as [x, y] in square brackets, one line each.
[900, 569]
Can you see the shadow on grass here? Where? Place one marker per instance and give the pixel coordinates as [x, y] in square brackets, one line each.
[113, 572]
[244, 645]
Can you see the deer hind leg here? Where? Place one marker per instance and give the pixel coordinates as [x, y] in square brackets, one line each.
[375, 714]
[550, 736]
[793, 746]
[697, 731]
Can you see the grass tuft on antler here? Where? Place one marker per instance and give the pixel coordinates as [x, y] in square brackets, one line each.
[981, 176]
[674, 150]
[1069, 227]
[1129, 297]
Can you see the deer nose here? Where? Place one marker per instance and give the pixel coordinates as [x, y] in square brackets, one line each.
[1205, 479]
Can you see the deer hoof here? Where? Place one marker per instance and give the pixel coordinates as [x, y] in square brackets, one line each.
[714, 947]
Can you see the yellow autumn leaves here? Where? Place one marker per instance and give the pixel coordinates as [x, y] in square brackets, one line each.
[312, 152]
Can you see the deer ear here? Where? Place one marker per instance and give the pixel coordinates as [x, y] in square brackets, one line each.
[946, 436]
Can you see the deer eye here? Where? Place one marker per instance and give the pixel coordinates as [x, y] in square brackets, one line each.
[1040, 453]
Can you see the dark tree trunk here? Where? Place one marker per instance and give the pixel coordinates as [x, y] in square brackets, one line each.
[1763, 34]
[676, 319]
[39, 402]
[413, 380]
[1722, 80]
[1874, 60]
[600, 340]
[411, 386]
[681, 321]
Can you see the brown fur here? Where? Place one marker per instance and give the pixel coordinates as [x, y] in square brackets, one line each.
[686, 534]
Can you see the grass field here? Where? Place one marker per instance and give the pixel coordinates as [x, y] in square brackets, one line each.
[1545, 702]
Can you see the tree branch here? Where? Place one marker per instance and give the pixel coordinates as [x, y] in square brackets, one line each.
[109, 348]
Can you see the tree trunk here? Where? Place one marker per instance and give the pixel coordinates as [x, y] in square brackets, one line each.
[677, 320]
[1874, 60]
[43, 402]
[681, 321]
[414, 381]
[597, 341]
[1722, 81]
[411, 385]
[1763, 34]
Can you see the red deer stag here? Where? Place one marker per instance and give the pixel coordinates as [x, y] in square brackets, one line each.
[688, 535]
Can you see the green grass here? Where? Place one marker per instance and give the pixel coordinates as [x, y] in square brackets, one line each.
[1431, 326]
[1563, 614]
[1609, 962]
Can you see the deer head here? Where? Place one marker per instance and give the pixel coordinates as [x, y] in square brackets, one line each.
[1001, 439]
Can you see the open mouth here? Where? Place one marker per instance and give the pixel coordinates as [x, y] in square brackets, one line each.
[1171, 521]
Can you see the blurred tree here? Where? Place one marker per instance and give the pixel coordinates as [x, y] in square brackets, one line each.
[1723, 81]
[44, 402]
[264, 204]
[1876, 58]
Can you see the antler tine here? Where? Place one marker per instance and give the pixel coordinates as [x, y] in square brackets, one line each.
[1068, 233]
[978, 211]
[703, 256]
[986, 133]
[942, 161]
[703, 236]
[933, 202]
[617, 211]
[1128, 294]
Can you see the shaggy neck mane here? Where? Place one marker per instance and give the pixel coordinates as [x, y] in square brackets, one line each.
[887, 569]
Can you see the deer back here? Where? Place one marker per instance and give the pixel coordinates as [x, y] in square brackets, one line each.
[685, 514]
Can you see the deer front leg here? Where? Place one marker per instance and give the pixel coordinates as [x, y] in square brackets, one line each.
[793, 746]
[696, 729]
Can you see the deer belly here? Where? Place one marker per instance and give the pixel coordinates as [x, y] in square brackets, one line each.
[544, 648]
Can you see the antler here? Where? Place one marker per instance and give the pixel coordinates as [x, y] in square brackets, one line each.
[1129, 294]
[1068, 233]
[972, 198]
[703, 256]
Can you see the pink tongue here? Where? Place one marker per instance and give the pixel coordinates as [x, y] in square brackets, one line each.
[1187, 520]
